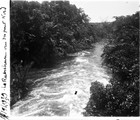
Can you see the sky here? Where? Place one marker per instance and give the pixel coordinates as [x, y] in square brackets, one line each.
[100, 11]
[104, 10]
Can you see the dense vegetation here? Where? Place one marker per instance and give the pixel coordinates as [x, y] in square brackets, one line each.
[102, 30]
[121, 56]
[41, 34]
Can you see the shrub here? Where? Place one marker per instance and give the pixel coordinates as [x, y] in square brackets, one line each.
[19, 84]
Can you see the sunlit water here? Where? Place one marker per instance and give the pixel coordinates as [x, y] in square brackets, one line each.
[54, 95]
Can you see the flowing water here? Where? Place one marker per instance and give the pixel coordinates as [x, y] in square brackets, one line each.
[65, 91]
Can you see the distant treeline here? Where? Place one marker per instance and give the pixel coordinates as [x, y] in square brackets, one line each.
[121, 57]
[44, 32]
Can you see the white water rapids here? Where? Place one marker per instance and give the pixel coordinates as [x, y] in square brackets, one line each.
[54, 95]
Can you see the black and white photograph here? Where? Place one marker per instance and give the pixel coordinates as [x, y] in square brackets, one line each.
[69, 59]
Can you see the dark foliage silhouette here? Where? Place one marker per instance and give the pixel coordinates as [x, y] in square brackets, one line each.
[121, 56]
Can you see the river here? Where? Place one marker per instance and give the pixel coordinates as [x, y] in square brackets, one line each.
[65, 91]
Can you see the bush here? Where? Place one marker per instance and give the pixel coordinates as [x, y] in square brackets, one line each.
[19, 84]
[97, 101]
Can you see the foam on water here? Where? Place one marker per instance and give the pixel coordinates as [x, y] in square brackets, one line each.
[54, 95]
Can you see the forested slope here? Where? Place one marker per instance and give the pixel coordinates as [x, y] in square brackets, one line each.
[121, 57]
[41, 34]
